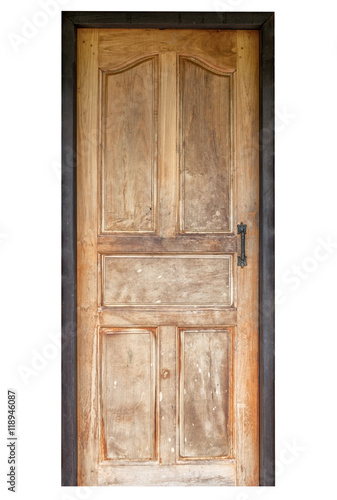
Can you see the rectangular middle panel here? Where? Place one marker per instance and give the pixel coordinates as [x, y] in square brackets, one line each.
[196, 280]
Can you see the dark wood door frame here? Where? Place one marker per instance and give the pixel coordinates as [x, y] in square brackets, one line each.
[262, 21]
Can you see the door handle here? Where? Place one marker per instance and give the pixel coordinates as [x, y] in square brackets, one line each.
[242, 261]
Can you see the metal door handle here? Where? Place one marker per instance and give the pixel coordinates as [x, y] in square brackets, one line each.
[242, 261]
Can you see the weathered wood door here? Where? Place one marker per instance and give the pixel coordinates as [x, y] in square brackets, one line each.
[167, 320]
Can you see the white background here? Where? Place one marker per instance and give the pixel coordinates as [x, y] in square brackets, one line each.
[30, 251]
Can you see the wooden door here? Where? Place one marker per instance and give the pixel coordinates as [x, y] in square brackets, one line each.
[167, 320]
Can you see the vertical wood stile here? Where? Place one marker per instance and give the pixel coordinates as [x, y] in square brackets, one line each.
[168, 175]
[167, 396]
[87, 159]
[246, 353]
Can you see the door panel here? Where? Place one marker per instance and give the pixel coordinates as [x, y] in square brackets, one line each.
[128, 394]
[167, 322]
[206, 124]
[205, 393]
[167, 280]
[129, 147]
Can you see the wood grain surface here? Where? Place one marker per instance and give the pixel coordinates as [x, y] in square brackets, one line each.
[206, 101]
[168, 323]
[129, 148]
[167, 280]
[205, 393]
[87, 272]
[128, 394]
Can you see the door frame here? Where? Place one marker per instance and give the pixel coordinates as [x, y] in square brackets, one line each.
[264, 22]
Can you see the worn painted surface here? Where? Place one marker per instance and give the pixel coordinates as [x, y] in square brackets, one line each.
[167, 315]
